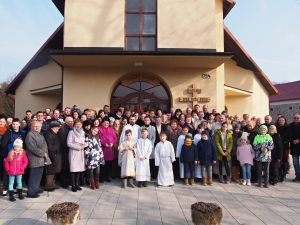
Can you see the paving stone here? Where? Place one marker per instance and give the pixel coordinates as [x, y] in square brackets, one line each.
[125, 214]
[103, 213]
[97, 221]
[117, 221]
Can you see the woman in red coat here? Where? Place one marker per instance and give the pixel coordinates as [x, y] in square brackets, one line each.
[108, 139]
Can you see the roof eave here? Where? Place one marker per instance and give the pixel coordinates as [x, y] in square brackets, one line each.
[250, 64]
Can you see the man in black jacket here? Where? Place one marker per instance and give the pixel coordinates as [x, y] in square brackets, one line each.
[63, 134]
[295, 144]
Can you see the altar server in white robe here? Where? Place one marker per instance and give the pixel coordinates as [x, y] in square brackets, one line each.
[144, 149]
[164, 157]
[127, 150]
[197, 138]
[180, 142]
[134, 131]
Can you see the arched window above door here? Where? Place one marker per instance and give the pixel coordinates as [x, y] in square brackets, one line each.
[140, 96]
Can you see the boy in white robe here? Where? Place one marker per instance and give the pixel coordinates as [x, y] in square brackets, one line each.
[127, 151]
[164, 157]
[144, 150]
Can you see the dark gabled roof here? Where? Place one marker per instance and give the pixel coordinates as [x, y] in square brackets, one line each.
[227, 6]
[55, 41]
[287, 91]
[244, 60]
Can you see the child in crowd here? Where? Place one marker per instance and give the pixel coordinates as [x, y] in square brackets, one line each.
[144, 150]
[180, 142]
[207, 156]
[188, 157]
[164, 157]
[127, 152]
[245, 155]
[235, 165]
[93, 157]
[263, 144]
[197, 138]
[15, 164]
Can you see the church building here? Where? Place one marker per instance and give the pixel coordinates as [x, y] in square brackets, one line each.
[143, 54]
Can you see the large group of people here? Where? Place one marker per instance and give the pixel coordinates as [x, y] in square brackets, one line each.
[86, 147]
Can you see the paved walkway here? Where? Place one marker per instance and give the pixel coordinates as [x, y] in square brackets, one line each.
[114, 205]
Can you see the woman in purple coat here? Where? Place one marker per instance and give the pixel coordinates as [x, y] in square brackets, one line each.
[108, 138]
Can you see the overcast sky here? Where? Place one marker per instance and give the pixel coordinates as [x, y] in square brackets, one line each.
[269, 30]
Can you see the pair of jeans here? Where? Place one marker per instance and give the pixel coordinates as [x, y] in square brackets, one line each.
[35, 176]
[12, 180]
[94, 173]
[206, 171]
[296, 164]
[189, 168]
[246, 171]
[263, 166]
[225, 162]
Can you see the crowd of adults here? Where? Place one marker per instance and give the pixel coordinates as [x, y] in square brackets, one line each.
[54, 141]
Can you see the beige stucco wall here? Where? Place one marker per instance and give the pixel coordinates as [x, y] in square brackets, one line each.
[219, 27]
[45, 76]
[186, 24]
[238, 105]
[25, 100]
[96, 85]
[260, 99]
[94, 23]
[238, 77]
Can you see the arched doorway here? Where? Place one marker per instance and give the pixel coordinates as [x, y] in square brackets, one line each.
[140, 93]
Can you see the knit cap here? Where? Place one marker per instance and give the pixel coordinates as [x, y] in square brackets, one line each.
[188, 139]
[18, 142]
[205, 132]
[244, 136]
[237, 126]
[263, 127]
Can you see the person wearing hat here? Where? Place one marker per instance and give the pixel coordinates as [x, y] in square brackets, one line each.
[86, 125]
[235, 165]
[55, 154]
[15, 164]
[189, 157]
[263, 144]
[207, 156]
[245, 155]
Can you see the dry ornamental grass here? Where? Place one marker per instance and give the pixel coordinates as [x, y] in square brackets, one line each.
[63, 213]
[206, 213]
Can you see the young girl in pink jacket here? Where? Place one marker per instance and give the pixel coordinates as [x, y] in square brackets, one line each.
[245, 154]
[15, 164]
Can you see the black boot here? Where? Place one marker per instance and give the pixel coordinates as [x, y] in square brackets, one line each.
[266, 180]
[140, 184]
[11, 196]
[145, 183]
[259, 183]
[74, 189]
[20, 194]
[77, 181]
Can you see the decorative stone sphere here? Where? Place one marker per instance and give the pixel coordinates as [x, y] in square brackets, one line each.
[206, 213]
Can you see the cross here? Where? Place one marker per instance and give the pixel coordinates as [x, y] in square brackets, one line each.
[194, 91]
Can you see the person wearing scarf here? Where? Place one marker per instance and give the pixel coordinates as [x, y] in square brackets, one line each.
[3, 129]
[76, 142]
[263, 144]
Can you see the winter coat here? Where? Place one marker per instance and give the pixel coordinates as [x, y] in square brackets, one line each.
[207, 152]
[235, 137]
[94, 157]
[251, 136]
[245, 153]
[76, 155]
[16, 167]
[8, 140]
[286, 136]
[219, 144]
[263, 141]
[63, 134]
[172, 136]
[107, 138]
[55, 152]
[295, 130]
[188, 153]
[277, 151]
[36, 148]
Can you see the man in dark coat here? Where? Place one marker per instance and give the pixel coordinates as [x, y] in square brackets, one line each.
[54, 149]
[63, 134]
[295, 144]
